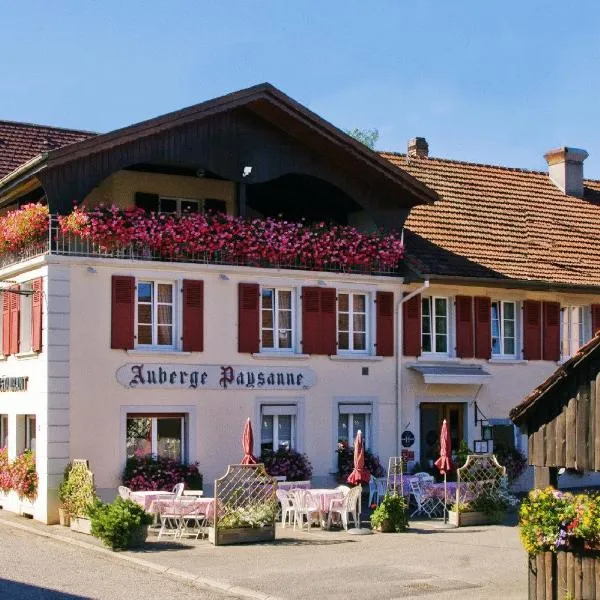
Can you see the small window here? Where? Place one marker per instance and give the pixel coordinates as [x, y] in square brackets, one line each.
[161, 435]
[26, 300]
[30, 432]
[179, 205]
[434, 325]
[277, 319]
[575, 329]
[3, 431]
[352, 322]
[278, 427]
[351, 419]
[504, 328]
[155, 314]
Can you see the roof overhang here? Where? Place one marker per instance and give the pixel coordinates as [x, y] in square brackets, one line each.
[453, 374]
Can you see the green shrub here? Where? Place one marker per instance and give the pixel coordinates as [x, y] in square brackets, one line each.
[115, 523]
[257, 515]
[393, 509]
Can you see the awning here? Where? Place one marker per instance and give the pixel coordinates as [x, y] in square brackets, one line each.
[458, 374]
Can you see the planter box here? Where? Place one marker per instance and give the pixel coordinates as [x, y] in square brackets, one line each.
[81, 525]
[64, 518]
[241, 535]
[466, 519]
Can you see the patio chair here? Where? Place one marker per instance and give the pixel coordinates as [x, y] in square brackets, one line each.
[343, 488]
[373, 494]
[347, 507]
[425, 503]
[424, 476]
[192, 520]
[178, 490]
[170, 518]
[382, 488]
[305, 505]
[124, 492]
[287, 507]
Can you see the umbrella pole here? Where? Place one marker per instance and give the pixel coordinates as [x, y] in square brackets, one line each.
[359, 504]
[445, 499]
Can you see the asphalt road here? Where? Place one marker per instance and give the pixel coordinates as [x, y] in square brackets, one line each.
[33, 567]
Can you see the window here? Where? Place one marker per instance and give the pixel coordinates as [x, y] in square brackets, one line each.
[155, 314]
[278, 427]
[160, 435]
[3, 431]
[575, 329]
[352, 322]
[179, 205]
[276, 319]
[434, 325]
[30, 432]
[351, 418]
[504, 328]
[25, 316]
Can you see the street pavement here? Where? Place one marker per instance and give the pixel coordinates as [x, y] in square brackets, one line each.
[430, 561]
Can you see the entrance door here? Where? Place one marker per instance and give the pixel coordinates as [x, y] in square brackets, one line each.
[432, 416]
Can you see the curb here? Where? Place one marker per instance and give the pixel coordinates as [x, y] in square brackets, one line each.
[190, 578]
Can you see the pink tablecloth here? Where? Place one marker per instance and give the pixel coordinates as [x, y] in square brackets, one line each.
[146, 498]
[184, 505]
[325, 496]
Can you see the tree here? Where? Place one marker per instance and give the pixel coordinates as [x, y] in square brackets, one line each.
[368, 137]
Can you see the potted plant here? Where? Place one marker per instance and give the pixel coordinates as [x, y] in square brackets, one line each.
[391, 515]
[79, 493]
[488, 507]
[64, 510]
[120, 525]
[250, 523]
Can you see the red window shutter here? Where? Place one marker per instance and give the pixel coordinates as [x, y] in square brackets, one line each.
[483, 327]
[328, 327]
[384, 303]
[311, 317]
[6, 323]
[36, 315]
[123, 312]
[248, 317]
[595, 318]
[15, 306]
[532, 330]
[551, 331]
[465, 347]
[411, 326]
[193, 316]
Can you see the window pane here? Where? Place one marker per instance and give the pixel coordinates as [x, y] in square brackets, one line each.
[285, 299]
[509, 346]
[441, 343]
[165, 293]
[165, 335]
[425, 306]
[440, 325]
[165, 314]
[189, 206]
[266, 433]
[284, 431]
[267, 298]
[426, 325]
[509, 328]
[359, 421]
[426, 342]
[267, 319]
[359, 322]
[343, 322]
[139, 436]
[343, 341]
[31, 433]
[343, 302]
[359, 341]
[169, 437]
[144, 334]
[145, 313]
[359, 303]
[285, 319]
[285, 338]
[440, 306]
[267, 338]
[509, 310]
[168, 205]
[144, 291]
[342, 428]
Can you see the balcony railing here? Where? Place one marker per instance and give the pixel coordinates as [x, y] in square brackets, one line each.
[57, 242]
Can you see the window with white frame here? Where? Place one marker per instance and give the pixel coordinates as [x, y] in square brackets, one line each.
[30, 432]
[277, 319]
[25, 310]
[159, 435]
[351, 419]
[156, 314]
[434, 325]
[504, 328]
[3, 431]
[278, 426]
[575, 329]
[179, 205]
[352, 325]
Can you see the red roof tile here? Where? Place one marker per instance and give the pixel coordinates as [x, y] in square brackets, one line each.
[20, 142]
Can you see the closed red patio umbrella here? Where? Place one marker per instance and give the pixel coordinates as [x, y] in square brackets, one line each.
[444, 462]
[360, 474]
[248, 445]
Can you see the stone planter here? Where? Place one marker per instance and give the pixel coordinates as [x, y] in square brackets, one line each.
[138, 537]
[466, 519]
[241, 535]
[64, 518]
[81, 525]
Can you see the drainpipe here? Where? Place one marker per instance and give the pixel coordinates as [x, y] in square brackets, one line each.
[399, 345]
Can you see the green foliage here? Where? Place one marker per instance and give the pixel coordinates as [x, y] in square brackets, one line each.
[462, 453]
[116, 523]
[255, 515]
[393, 509]
[77, 491]
[368, 137]
[493, 505]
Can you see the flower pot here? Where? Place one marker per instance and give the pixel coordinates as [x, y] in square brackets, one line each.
[138, 537]
[386, 526]
[81, 525]
[64, 518]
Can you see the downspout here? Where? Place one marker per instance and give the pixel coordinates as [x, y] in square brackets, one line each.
[399, 353]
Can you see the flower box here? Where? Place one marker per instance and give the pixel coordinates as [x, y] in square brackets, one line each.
[81, 525]
[240, 535]
[467, 519]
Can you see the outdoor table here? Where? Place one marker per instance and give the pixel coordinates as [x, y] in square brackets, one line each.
[293, 485]
[193, 493]
[184, 506]
[324, 497]
[147, 497]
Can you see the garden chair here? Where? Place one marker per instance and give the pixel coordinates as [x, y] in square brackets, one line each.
[343, 488]
[425, 504]
[347, 507]
[178, 490]
[287, 507]
[169, 513]
[124, 492]
[192, 520]
[305, 505]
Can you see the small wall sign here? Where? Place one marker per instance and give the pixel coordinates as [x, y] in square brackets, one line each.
[408, 455]
[13, 384]
[214, 377]
[407, 439]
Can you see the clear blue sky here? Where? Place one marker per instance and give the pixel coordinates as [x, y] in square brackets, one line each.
[498, 82]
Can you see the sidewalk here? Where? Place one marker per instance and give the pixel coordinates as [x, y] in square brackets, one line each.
[428, 561]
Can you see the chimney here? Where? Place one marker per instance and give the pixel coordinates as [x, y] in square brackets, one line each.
[418, 148]
[565, 168]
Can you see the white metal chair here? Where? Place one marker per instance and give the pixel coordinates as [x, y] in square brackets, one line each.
[347, 507]
[305, 505]
[124, 492]
[425, 504]
[287, 506]
[192, 520]
[170, 517]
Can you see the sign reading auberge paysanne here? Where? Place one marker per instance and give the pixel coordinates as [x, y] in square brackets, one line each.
[213, 377]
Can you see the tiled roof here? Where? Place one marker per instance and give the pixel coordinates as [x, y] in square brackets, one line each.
[502, 223]
[20, 142]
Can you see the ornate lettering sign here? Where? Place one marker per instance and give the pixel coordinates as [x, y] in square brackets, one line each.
[214, 377]
[13, 384]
